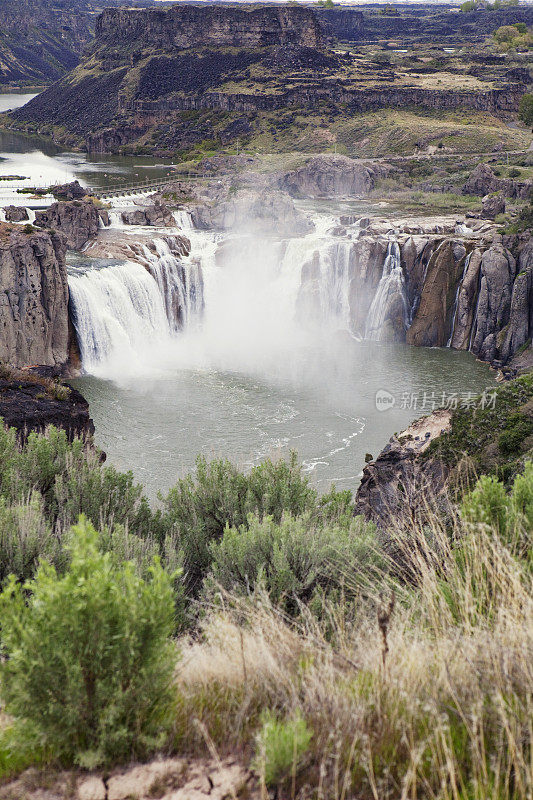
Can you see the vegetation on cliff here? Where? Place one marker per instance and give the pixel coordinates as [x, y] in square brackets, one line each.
[497, 436]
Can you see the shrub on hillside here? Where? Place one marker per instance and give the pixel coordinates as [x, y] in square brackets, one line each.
[72, 481]
[200, 506]
[87, 657]
[510, 514]
[25, 538]
[297, 561]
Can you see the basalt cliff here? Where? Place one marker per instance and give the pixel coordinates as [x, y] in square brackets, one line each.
[169, 80]
[33, 297]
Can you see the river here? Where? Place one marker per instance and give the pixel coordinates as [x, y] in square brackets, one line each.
[244, 380]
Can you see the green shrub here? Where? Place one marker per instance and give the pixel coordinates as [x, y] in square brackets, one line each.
[295, 560]
[525, 109]
[87, 659]
[509, 514]
[72, 481]
[25, 538]
[200, 507]
[281, 747]
[517, 428]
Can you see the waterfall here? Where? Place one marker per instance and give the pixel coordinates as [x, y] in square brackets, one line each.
[183, 219]
[474, 318]
[116, 311]
[456, 301]
[390, 291]
[180, 284]
[125, 314]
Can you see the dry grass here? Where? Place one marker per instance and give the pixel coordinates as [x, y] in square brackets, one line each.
[426, 697]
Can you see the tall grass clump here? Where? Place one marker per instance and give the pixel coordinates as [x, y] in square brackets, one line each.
[425, 693]
[87, 659]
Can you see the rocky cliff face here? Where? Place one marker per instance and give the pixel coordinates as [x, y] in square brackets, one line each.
[77, 220]
[41, 41]
[196, 27]
[428, 25]
[433, 283]
[33, 298]
[397, 487]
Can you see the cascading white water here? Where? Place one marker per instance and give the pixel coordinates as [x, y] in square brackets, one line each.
[391, 290]
[123, 314]
[180, 284]
[183, 219]
[456, 301]
[116, 311]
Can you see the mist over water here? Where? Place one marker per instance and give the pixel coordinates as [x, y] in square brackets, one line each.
[255, 370]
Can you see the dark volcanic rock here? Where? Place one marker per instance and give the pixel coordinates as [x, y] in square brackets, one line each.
[16, 214]
[33, 404]
[183, 27]
[33, 298]
[69, 191]
[398, 485]
[251, 211]
[492, 205]
[78, 220]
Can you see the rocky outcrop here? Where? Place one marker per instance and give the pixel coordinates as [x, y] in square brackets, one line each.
[69, 191]
[156, 215]
[16, 214]
[29, 403]
[261, 212]
[184, 27]
[482, 181]
[77, 220]
[33, 298]
[492, 205]
[332, 176]
[397, 487]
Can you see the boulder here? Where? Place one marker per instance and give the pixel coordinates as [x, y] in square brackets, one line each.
[33, 297]
[331, 176]
[156, 215]
[492, 205]
[70, 191]
[481, 181]
[16, 214]
[77, 219]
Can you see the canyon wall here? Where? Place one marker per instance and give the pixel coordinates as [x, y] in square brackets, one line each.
[196, 27]
[34, 325]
